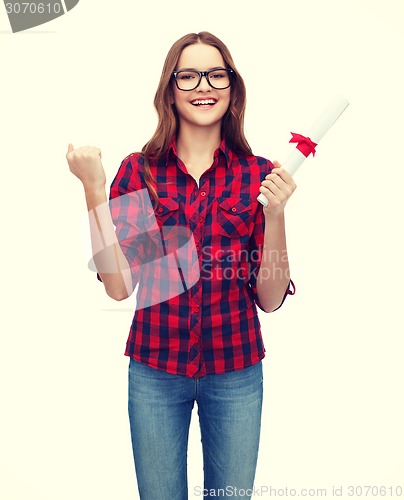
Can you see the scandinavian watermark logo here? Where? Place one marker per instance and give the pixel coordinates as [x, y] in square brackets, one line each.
[162, 253]
[26, 15]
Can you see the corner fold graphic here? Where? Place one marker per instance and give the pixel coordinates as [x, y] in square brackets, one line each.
[70, 4]
[26, 15]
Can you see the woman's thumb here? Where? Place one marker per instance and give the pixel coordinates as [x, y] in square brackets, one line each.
[70, 148]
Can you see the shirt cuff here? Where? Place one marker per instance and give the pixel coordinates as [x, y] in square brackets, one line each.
[288, 292]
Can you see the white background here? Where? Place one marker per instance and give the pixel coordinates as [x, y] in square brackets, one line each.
[334, 373]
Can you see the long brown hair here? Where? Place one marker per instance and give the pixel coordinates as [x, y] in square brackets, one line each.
[168, 121]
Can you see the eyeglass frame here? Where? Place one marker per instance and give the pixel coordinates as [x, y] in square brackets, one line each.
[201, 74]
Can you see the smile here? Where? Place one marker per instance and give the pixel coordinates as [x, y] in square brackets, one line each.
[203, 102]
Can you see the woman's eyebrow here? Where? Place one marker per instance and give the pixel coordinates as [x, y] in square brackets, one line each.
[194, 69]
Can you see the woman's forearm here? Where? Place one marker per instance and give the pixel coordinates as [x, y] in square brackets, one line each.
[111, 263]
[274, 275]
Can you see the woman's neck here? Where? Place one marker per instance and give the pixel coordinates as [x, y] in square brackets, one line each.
[198, 144]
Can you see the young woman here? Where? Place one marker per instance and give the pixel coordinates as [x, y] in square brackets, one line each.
[205, 253]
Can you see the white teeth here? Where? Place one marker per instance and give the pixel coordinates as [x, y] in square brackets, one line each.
[203, 101]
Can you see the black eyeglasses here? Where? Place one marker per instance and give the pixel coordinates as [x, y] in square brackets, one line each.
[189, 79]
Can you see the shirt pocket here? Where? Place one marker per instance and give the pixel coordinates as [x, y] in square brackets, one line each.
[167, 216]
[234, 216]
[172, 230]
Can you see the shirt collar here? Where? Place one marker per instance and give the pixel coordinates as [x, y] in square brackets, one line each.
[223, 147]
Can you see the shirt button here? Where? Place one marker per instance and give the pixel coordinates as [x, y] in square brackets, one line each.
[233, 209]
[203, 193]
[160, 209]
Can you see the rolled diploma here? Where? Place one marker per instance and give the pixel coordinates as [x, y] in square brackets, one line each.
[324, 122]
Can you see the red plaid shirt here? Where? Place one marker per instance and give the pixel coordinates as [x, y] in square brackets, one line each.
[196, 259]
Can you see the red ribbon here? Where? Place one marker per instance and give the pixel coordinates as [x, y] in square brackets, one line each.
[304, 144]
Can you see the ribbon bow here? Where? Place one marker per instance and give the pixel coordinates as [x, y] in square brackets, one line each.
[304, 144]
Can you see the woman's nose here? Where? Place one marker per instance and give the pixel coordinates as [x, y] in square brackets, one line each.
[204, 85]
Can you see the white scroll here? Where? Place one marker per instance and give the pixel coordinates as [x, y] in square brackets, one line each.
[324, 122]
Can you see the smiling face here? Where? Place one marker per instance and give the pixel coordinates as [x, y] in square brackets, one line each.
[203, 106]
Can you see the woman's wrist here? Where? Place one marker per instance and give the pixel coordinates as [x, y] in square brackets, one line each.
[275, 217]
[95, 195]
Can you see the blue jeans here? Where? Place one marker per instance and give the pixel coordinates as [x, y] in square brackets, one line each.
[229, 410]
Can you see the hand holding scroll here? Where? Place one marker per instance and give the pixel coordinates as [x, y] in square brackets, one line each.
[277, 187]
